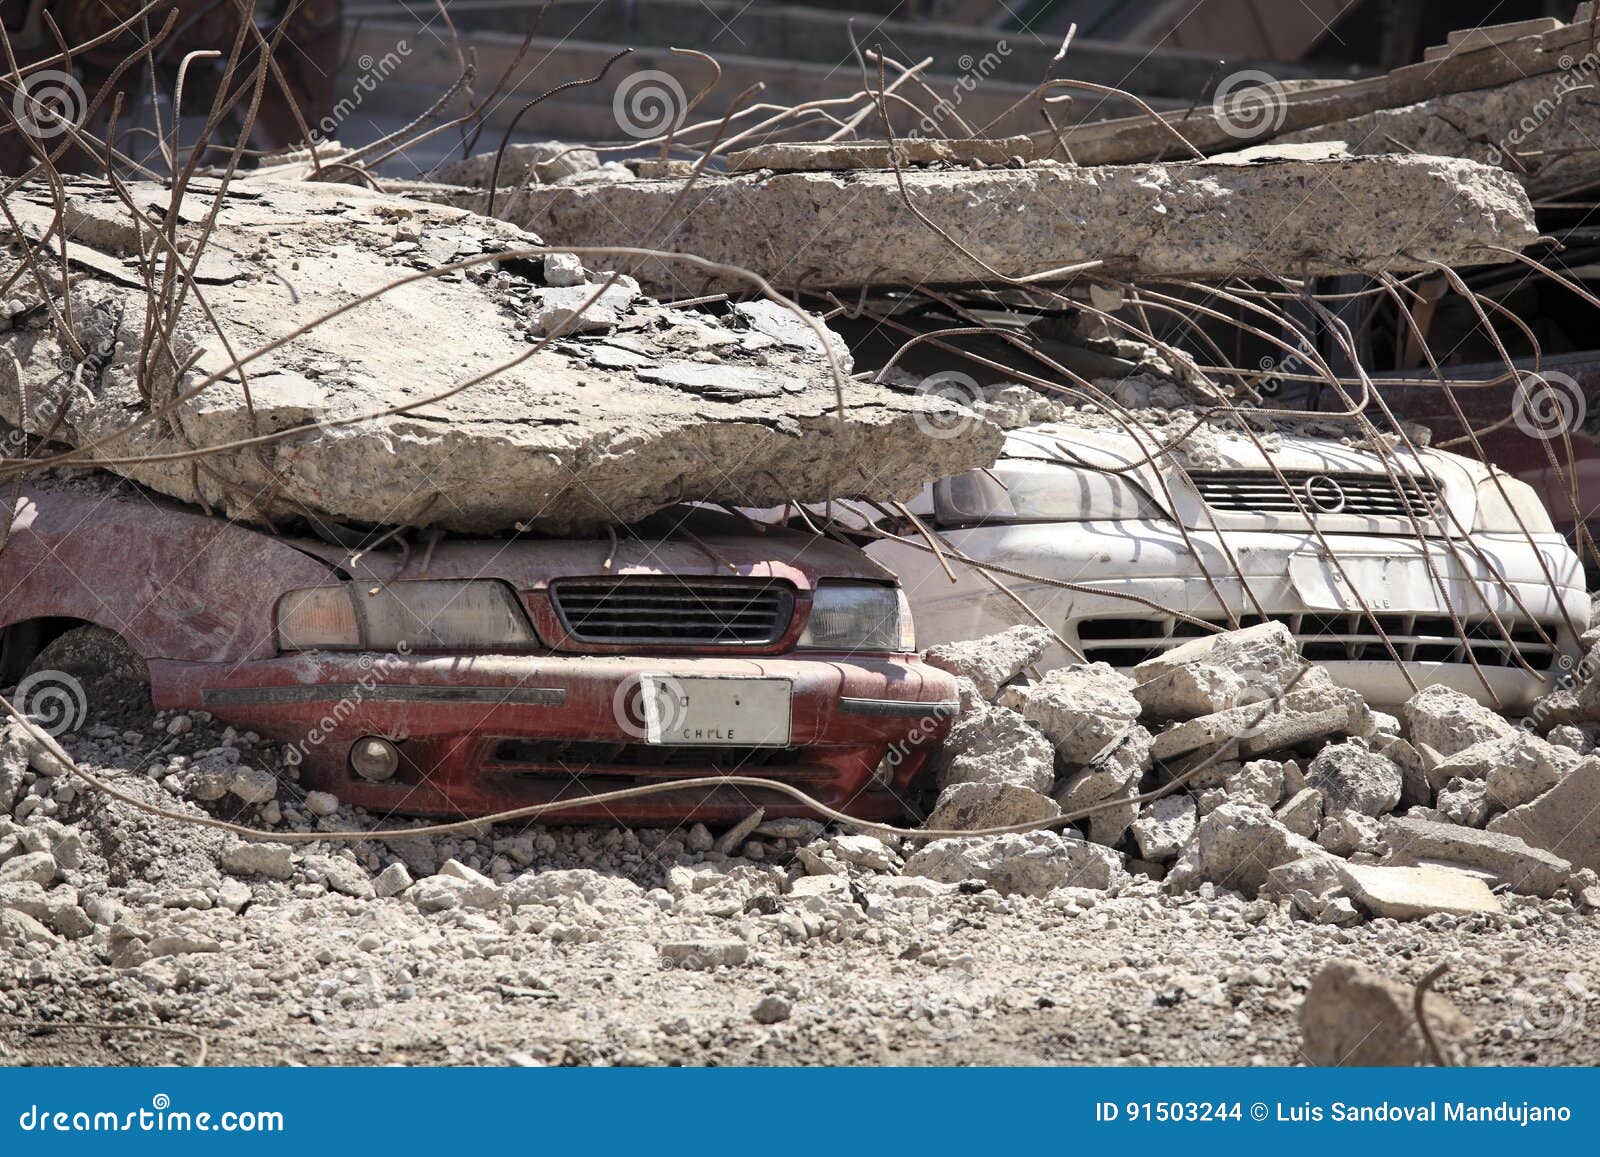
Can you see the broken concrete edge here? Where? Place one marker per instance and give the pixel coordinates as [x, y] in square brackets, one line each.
[1046, 221]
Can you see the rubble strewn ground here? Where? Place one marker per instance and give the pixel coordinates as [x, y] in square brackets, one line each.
[1193, 937]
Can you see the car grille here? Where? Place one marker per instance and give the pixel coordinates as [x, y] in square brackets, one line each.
[1372, 495]
[730, 612]
[1325, 638]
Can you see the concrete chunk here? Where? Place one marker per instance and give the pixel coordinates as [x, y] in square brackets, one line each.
[994, 745]
[1412, 893]
[1352, 778]
[1235, 847]
[1217, 672]
[1353, 1016]
[1303, 714]
[994, 660]
[1529, 870]
[1449, 722]
[1563, 819]
[1081, 710]
[1203, 219]
[970, 806]
[1164, 827]
[1027, 863]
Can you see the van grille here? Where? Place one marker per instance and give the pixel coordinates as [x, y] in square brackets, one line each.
[1372, 495]
[673, 612]
[1332, 638]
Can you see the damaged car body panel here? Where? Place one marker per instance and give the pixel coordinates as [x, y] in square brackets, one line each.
[485, 675]
[1128, 556]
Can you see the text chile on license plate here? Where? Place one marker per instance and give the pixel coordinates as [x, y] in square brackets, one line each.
[717, 712]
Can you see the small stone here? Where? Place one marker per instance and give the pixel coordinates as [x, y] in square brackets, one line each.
[253, 785]
[35, 867]
[772, 1010]
[392, 880]
[699, 839]
[275, 861]
[180, 725]
[739, 833]
[698, 955]
[321, 803]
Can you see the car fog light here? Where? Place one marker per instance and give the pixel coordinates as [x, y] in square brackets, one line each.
[374, 758]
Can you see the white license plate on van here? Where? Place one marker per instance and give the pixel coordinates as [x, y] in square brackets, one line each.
[693, 712]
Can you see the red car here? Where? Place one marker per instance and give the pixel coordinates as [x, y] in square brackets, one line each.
[480, 675]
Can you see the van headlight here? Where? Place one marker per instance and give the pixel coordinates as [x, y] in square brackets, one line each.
[850, 616]
[1497, 515]
[427, 615]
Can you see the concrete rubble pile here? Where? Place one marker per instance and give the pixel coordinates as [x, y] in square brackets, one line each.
[633, 405]
[1294, 792]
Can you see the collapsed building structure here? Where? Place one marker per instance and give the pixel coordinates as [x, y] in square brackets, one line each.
[617, 341]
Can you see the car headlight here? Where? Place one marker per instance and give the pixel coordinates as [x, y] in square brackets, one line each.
[1497, 515]
[1031, 491]
[847, 616]
[411, 615]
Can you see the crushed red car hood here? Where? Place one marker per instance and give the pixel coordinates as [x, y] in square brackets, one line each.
[705, 546]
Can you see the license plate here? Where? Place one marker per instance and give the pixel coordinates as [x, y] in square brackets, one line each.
[682, 712]
[1387, 583]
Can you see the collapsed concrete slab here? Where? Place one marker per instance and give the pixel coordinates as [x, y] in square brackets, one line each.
[1208, 220]
[1529, 127]
[645, 406]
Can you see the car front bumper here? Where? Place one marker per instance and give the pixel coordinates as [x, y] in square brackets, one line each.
[485, 733]
[1130, 576]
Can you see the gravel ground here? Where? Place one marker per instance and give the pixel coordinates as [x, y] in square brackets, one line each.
[610, 946]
